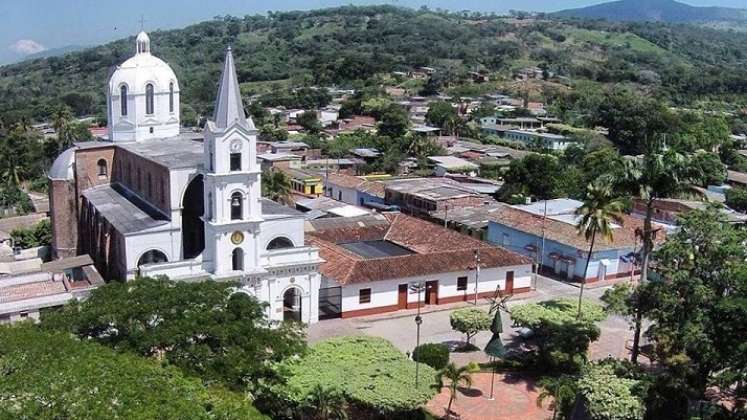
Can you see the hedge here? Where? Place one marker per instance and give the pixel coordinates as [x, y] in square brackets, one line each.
[434, 355]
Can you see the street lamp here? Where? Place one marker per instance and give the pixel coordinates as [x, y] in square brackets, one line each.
[477, 273]
[417, 288]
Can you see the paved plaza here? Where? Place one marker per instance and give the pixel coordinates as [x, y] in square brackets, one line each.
[514, 398]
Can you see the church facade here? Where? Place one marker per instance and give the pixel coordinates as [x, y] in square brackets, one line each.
[155, 200]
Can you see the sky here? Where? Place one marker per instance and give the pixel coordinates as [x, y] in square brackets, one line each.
[31, 26]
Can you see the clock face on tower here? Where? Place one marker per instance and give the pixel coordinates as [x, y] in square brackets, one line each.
[237, 238]
[236, 145]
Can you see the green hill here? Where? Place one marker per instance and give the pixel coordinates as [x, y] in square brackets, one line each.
[353, 46]
[658, 11]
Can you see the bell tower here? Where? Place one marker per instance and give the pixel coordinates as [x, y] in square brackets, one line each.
[233, 211]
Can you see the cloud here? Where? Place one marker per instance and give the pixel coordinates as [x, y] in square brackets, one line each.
[27, 46]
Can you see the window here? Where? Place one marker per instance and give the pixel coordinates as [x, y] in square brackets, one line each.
[210, 161]
[123, 100]
[461, 283]
[279, 243]
[364, 296]
[237, 206]
[171, 97]
[103, 170]
[235, 161]
[149, 108]
[237, 259]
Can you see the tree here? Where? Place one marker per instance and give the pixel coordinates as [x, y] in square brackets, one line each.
[394, 122]
[435, 355]
[52, 375]
[38, 235]
[562, 390]
[699, 321]
[536, 175]
[61, 122]
[599, 210]
[456, 376]
[470, 321]
[631, 118]
[736, 198]
[277, 186]
[269, 132]
[326, 404]
[659, 173]
[309, 122]
[607, 396]
[562, 338]
[706, 169]
[440, 113]
[232, 343]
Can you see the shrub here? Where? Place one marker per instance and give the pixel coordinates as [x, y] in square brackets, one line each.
[370, 372]
[610, 397]
[434, 355]
[37, 235]
[470, 321]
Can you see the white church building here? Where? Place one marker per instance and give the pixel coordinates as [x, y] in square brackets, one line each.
[155, 200]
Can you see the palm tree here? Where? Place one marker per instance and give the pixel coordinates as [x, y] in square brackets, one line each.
[276, 186]
[327, 404]
[658, 173]
[61, 120]
[599, 210]
[456, 376]
[562, 390]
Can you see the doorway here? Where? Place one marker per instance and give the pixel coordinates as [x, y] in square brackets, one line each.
[509, 282]
[292, 305]
[431, 292]
[402, 296]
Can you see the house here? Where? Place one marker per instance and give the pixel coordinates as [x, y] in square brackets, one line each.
[353, 190]
[304, 182]
[279, 161]
[555, 240]
[736, 179]
[420, 196]
[472, 221]
[426, 130]
[351, 125]
[546, 140]
[26, 296]
[367, 154]
[343, 165]
[372, 263]
[320, 207]
[668, 210]
[452, 164]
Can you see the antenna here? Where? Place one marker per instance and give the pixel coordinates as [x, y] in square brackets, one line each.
[142, 22]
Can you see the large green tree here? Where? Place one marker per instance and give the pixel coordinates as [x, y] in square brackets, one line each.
[207, 329]
[699, 321]
[52, 375]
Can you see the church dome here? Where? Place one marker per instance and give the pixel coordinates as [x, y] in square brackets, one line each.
[143, 97]
[62, 168]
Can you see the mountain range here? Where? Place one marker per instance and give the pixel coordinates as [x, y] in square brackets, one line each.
[657, 11]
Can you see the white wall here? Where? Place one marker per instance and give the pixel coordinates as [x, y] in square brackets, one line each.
[385, 293]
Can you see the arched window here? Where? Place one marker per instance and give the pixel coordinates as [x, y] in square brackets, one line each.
[237, 259]
[237, 206]
[171, 97]
[153, 256]
[279, 243]
[149, 108]
[103, 170]
[123, 100]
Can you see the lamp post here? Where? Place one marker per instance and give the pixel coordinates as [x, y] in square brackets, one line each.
[417, 288]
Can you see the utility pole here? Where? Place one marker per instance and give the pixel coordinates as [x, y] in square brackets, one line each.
[542, 249]
[417, 288]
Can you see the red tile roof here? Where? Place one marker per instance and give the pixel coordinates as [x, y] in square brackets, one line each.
[345, 181]
[436, 250]
[566, 233]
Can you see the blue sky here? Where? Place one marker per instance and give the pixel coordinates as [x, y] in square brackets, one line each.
[28, 26]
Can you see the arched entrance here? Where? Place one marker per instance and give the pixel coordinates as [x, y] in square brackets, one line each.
[292, 305]
[153, 256]
[193, 230]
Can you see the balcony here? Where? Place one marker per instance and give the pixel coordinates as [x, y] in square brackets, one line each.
[290, 257]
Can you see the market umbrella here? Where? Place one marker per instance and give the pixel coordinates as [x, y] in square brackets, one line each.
[495, 348]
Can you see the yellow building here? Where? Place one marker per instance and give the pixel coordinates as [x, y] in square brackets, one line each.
[305, 182]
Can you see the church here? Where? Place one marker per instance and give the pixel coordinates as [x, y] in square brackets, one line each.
[153, 199]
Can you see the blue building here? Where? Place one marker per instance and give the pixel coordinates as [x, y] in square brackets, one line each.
[521, 228]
